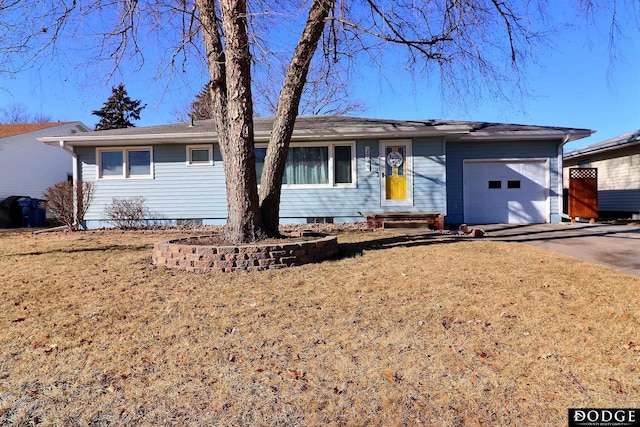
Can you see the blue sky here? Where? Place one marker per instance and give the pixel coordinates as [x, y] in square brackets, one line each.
[572, 84]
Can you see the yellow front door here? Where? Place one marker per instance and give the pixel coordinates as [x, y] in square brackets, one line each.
[395, 173]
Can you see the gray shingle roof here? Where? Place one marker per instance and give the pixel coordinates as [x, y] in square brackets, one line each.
[339, 127]
[622, 141]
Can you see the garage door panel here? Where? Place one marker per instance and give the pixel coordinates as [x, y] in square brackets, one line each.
[505, 192]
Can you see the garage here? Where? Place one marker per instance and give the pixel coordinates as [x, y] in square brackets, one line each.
[505, 192]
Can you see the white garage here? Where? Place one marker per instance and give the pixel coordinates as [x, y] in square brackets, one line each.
[506, 192]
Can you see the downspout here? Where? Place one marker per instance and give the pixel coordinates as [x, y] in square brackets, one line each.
[563, 215]
[74, 173]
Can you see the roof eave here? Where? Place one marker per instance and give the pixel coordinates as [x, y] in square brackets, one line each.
[450, 131]
[142, 139]
[600, 150]
[567, 135]
[259, 137]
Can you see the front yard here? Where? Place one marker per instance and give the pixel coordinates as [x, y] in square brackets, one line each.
[422, 331]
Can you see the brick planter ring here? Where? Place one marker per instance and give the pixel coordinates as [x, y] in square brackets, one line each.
[179, 254]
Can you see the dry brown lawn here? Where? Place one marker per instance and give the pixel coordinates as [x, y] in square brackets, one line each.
[395, 332]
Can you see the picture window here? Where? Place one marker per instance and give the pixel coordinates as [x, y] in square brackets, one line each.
[331, 165]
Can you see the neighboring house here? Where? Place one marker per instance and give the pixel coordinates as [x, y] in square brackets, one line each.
[339, 169]
[28, 167]
[618, 163]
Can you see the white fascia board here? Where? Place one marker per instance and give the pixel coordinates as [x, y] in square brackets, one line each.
[351, 133]
[260, 137]
[450, 132]
[530, 135]
[116, 140]
[350, 136]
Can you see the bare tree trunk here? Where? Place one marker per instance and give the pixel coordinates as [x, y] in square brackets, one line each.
[230, 87]
[286, 113]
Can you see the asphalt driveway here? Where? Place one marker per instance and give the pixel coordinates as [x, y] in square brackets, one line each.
[614, 246]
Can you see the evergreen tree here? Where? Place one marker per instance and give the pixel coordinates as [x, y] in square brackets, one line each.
[202, 107]
[118, 111]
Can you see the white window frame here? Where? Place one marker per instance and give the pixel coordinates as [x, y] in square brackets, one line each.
[332, 152]
[331, 166]
[190, 148]
[125, 159]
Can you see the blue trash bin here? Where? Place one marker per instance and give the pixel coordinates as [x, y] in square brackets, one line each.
[25, 204]
[38, 215]
[32, 214]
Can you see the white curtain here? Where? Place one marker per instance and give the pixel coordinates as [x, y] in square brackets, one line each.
[307, 165]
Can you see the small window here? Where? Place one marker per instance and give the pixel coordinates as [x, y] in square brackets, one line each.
[513, 184]
[116, 163]
[199, 154]
[495, 184]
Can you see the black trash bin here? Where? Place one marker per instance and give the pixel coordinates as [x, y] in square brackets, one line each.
[11, 212]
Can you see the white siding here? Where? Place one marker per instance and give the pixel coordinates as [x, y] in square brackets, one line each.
[618, 173]
[28, 167]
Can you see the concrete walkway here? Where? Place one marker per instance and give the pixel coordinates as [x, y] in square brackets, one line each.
[614, 246]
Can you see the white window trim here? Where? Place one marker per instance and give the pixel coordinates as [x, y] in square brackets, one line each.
[408, 143]
[354, 163]
[331, 169]
[208, 147]
[125, 159]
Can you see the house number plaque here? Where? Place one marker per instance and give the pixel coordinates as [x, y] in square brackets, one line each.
[367, 157]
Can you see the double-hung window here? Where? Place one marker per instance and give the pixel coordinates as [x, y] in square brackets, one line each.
[318, 165]
[118, 163]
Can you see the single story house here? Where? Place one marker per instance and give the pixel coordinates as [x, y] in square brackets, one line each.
[28, 167]
[339, 170]
[617, 161]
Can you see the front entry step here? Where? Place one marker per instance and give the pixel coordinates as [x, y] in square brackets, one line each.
[406, 224]
[426, 220]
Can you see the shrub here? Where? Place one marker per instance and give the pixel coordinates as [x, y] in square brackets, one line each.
[59, 202]
[127, 213]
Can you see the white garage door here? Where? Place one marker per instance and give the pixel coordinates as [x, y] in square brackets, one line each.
[509, 192]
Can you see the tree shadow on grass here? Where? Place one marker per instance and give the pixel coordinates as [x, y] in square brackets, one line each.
[352, 249]
[81, 250]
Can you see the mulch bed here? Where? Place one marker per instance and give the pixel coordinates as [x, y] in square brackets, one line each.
[219, 240]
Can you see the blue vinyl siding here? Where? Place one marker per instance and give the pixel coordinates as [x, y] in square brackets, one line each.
[457, 152]
[338, 203]
[349, 204]
[341, 204]
[178, 191]
[429, 175]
